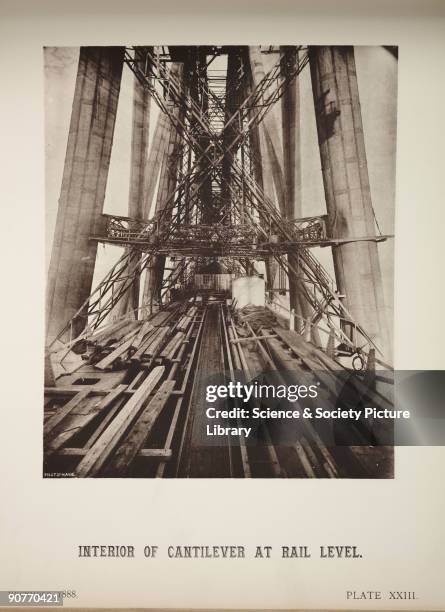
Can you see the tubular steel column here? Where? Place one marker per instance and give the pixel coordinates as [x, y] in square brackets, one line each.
[271, 142]
[290, 121]
[83, 186]
[166, 188]
[139, 153]
[346, 185]
[154, 167]
[290, 116]
[271, 153]
[154, 163]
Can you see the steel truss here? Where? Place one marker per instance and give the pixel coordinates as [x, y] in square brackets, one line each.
[218, 208]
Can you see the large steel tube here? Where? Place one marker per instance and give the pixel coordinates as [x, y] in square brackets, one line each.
[83, 186]
[346, 185]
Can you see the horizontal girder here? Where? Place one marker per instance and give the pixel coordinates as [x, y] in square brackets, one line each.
[218, 240]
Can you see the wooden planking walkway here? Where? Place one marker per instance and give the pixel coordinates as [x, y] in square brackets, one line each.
[202, 458]
[110, 438]
[140, 431]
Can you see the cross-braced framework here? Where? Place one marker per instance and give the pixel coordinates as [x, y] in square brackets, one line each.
[212, 200]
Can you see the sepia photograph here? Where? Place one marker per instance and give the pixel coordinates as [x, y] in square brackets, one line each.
[220, 261]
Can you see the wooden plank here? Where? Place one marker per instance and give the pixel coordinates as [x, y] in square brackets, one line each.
[311, 455]
[110, 438]
[253, 337]
[64, 411]
[145, 329]
[104, 423]
[304, 460]
[48, 414]
[114, 333]
[74, 422]
[72, 452]
[303, 350]
[144, 345]
[300, 347]
[186, 320]
[181, 325]
[157, 453]
[109, 380]
[49, 371]
[153, 348]
[136, 380]
[122, 348]
[326, 455]
[107, 332]
[65, 391]
[160, 318]
[172, 346]
[88, 375]
[107, 361]
[148, 453]
[139, 433]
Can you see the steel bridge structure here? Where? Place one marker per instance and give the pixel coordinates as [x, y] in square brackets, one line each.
[224, 189]
[215, 185]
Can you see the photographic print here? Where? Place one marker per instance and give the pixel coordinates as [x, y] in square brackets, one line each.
[220, 266]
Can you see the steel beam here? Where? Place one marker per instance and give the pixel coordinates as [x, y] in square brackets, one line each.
[83, 186]
[346, 185]
[129, 302]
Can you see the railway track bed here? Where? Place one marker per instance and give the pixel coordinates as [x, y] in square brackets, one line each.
[136, 406]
